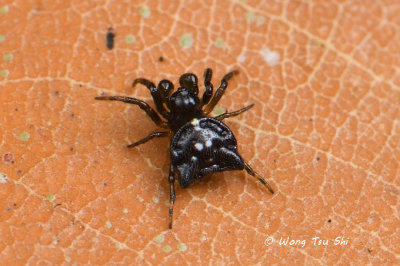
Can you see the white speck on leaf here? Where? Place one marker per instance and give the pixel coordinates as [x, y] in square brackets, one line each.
[241, 58]
[3, 178]
[272, 58]
[156, 200]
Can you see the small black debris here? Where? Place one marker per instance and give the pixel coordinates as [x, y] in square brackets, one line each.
[110, 38]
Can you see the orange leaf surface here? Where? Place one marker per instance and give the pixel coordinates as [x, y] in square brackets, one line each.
[325, 131]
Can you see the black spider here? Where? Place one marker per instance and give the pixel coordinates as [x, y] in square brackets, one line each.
[200, 144]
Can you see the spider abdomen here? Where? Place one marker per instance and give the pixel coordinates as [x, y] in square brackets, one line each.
[203, 146]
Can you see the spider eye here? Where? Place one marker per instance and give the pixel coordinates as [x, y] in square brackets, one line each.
[189, 81]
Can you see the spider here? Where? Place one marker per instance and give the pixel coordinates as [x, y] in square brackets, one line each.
[200, 144]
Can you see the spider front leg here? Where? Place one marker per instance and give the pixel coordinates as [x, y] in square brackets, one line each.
[149, 137]
[143, 105]
[155, 93]
[220, 91]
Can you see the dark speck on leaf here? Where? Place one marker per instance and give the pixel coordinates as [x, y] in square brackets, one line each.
[105, 184]
[329, 220]
[110, 38]
[56, 92]
[161, 59]
[16, 109]
[71, 149]
[72, 115]
[317, 158]
[8, 158]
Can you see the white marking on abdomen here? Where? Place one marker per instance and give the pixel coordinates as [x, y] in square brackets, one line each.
[199, 146]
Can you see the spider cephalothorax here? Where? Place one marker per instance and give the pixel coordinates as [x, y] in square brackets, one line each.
[200, 144]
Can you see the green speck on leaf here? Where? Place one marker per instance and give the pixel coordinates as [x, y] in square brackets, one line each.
[182, 247]
[166, 248]
[50, 197]
[4, 9]
[156, 200]
[4, 73]
[2, 38]
[24, 136]
[8, 57]
[203, 238]
[108, 224]
[117, 245]
[250, 16]
[186, 40]
[219, 110]
[65, 139]
[94, 239]
[68, 259]
[260, 20]
[144, 11]
[166, 202]
[159, 238]
[219, 42]
[243, 2]
[130, 38]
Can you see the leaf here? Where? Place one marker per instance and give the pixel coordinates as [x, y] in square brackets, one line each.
[325, 131]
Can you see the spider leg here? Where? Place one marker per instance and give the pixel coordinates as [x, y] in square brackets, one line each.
[155, 93]
[260, 178]
[220, 91]
[149, 137]
[234, 113]
[143, 105]
[171, 180]
[209, 87]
